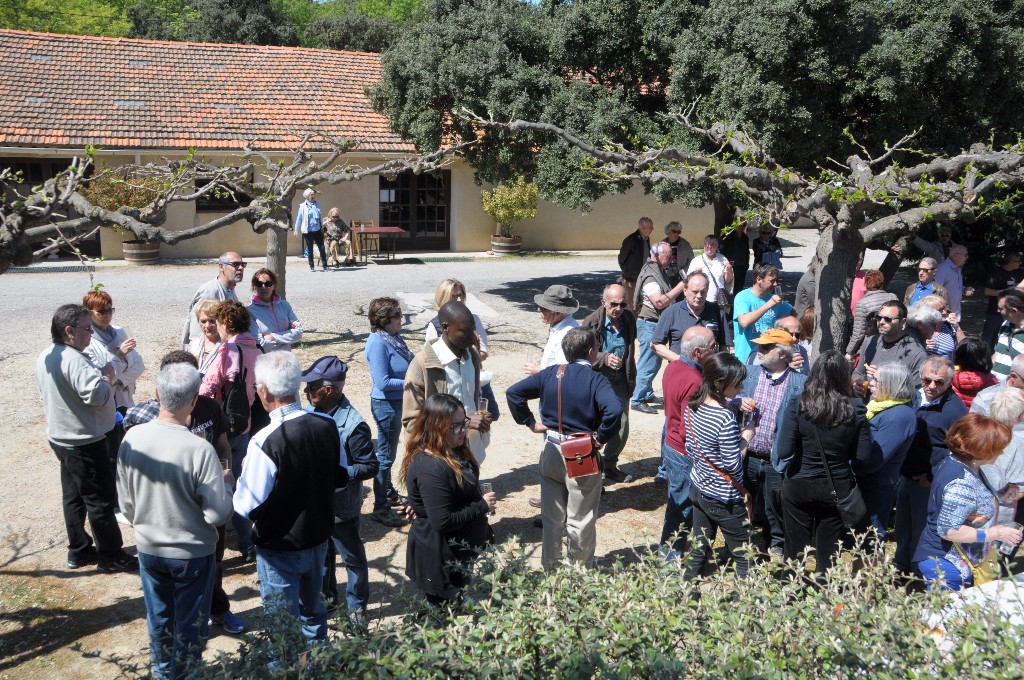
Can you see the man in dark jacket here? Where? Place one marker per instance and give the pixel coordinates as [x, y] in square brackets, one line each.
[736, 248]
[939, 409]
[616, 329]
[292, 469]
[325, 385]
[633, 253]
[568, 505]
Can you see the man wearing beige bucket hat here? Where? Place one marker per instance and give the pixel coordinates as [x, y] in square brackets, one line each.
[556, 306]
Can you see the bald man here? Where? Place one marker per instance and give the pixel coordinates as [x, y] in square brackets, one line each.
[230, 270]
[681, 380]
[616, 330]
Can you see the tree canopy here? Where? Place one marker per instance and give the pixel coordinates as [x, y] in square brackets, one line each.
[794, 74]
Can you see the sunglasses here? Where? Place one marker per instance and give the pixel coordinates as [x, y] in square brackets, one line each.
[460, 427]
[616, 304]
[889, 319]
[933, 381]
[264, 284]
[925, 269]
[236, 265]
[104, 312]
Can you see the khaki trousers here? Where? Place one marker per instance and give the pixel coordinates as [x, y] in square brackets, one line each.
[567, 507]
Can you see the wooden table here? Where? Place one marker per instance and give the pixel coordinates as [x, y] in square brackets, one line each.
[389, 234]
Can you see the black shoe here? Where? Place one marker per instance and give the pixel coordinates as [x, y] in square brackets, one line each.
[614, 474]
[643, 408]
[538, 522]
[249, 555]
[397, 500]
[82, 559]
[660, 479]
[655, 401]
[122, 563]
[388, 517]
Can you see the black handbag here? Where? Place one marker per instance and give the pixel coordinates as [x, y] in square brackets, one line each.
[851, 507]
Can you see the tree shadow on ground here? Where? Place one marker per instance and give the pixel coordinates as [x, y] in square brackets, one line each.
[41, 628]
[586, 288]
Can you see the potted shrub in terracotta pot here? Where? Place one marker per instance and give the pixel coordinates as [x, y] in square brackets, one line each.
[507, 205]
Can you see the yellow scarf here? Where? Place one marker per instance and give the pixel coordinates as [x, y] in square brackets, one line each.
[876, 407]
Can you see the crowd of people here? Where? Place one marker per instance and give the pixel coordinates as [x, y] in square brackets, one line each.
[782, 448]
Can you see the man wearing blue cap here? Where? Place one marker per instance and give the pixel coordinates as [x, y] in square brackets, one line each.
[325, 384]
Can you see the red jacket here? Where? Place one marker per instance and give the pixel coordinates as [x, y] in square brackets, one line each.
[679, 383]
[966, 384]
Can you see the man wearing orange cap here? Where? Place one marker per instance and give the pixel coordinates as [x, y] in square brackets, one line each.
[767, 388]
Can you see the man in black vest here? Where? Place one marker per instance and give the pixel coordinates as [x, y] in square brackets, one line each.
[653, 294]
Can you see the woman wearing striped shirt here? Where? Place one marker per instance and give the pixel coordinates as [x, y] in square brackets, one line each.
[716, 446]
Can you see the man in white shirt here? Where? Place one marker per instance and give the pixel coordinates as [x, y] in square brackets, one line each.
[556, 306]
[449, 365]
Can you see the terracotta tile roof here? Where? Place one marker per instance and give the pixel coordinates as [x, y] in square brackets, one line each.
[69, 91]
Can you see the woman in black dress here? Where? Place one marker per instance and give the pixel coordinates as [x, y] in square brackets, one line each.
[442, 480]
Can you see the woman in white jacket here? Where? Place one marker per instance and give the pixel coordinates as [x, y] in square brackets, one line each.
[111, 345]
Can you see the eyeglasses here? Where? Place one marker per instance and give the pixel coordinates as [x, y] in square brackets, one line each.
[460, 427]
[264, 284]
[616, 304]
[1014, 375]
[889, 319]
[933, 381]
[236, 265]
[104, 312]
[313, 386]
[87, 329]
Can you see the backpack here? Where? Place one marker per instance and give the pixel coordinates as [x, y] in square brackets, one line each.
[235, 404]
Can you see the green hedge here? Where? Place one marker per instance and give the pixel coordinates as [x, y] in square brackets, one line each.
[642, 620]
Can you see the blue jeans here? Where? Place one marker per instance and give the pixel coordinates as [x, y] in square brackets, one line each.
[291, 580]
[177, 594]
[932, 570]
[679, 511]
[347, 543]
[647, 361]
[388, 414]
[242, 526]
[911, 515]
[765, 485]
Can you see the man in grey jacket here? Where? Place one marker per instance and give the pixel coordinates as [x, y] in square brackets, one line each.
[79, 405]
[230, 270]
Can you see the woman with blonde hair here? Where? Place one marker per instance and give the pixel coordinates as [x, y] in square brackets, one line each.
[206, 346]
[338, 232]
[442, 480]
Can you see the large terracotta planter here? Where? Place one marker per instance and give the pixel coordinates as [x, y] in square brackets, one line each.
[503, 245]
[141, 252]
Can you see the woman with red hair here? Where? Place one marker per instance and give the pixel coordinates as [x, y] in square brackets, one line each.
[111, 345]
[961, 509]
